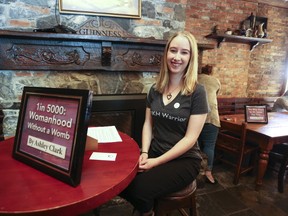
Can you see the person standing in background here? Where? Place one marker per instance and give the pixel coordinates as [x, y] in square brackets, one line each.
[208, 136]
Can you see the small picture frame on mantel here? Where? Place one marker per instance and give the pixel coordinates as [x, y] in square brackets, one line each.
[256, 114]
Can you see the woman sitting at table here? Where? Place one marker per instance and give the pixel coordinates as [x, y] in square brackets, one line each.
[281, 104]
[175, 114]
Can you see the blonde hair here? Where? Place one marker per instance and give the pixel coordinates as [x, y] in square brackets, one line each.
[191, 74]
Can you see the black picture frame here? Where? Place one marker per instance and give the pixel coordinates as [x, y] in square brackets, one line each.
[256, 114]
[51, 131]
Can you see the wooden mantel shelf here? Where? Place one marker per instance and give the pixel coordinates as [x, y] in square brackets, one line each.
[254, 42]
[57, 51]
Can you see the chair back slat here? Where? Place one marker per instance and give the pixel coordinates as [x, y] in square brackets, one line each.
[232, 140]
[233, 134]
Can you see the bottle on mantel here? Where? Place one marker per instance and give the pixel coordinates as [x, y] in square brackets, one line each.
[260, 31]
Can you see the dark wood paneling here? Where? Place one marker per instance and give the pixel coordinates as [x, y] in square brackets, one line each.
[57, 51]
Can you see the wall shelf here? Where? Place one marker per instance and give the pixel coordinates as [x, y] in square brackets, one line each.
[253, 41]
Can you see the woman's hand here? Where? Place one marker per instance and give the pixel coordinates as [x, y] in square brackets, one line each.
[147, 163]
[142, 159]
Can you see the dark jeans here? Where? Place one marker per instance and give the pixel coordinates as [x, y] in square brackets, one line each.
[207, 140]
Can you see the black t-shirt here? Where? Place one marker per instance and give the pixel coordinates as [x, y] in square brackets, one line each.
[170, 121]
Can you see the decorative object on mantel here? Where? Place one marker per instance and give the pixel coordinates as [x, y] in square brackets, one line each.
[257, 26]
[215, 29]
[253, 26]
[228, 31]
[253, 31]
[242, 30]
[260, 30]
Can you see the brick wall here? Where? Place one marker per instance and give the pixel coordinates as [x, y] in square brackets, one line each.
[243, 73]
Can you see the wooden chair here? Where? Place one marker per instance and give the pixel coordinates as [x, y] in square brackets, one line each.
[278, 161]
[232, 141]
[185, 198]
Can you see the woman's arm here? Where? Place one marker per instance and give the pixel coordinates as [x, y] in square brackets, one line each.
[195, 126]
[147, 131]
[146, 138]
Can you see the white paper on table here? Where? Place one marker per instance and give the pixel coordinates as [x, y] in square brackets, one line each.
[105, 134]
[103, 156]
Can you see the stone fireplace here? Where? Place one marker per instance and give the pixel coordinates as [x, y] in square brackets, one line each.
[126, 112]
[130, 65]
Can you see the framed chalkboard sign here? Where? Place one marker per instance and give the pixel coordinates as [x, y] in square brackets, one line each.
[51, 131]
[256, 114]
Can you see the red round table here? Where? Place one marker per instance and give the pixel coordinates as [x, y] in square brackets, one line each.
[25, 190]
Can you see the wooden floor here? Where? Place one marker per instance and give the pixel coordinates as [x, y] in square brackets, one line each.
[225, 199]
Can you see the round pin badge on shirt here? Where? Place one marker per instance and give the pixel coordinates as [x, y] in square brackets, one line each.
[176, 105]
